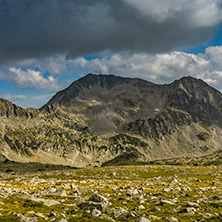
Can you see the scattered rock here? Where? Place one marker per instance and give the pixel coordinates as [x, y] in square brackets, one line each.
[98, 198]
[155, 210]
[91, 205]
[62, 220]
[96, 213]
[28, 219]
[193, 204]
[141, 207]
[40, 215]
[142, 219]
[47, 202]
[118, 212]
[153, 217]
[172, 219]
[162, 202]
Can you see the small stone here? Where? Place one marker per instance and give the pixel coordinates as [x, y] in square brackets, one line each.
[141, 207]
[215, 197]
[53, 190]
[47, 202]
[28, 219]
[63, 215]
[188, 210]
[132, 192]
[131, 214]
[98, 198]
[209, 210]
[192, 204]
[52, 214]
[63, 193]
[153, 217]
[113, 174]
[155, 210]
[166, 202]
[172, 219]
[166, 190]
[40, 215]
[119, 212]
[175, 180]
[62, 220]
[96, 213]
[105, 217]
[142, 219]
[207, 215]
[91, 205]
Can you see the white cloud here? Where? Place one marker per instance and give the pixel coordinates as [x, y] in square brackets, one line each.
[11, 97]
[160, 68]
[27, 101]
[29, 78]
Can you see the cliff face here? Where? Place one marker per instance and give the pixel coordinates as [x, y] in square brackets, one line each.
[105, 118]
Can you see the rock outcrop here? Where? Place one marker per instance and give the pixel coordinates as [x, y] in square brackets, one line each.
[111, 120]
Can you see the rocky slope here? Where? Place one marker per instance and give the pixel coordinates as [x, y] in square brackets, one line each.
[102, 119]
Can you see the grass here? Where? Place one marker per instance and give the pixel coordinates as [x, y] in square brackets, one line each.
[153, 183]
[8, 219]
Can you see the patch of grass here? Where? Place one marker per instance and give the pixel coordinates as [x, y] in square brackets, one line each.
[87, 218]
[31, 204]
[8, 219]
[216, 205]
[214, 219]
[200, 177]
[151, 174]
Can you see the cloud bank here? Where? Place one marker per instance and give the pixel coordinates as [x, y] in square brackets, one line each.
[35, 29]
[27, 78]
[27, 101]
[160, 68]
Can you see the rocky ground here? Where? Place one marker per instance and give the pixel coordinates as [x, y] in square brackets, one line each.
[129, 193]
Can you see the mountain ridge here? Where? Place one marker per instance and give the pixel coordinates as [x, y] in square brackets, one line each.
[109, 119]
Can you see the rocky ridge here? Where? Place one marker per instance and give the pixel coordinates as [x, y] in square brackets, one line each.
[102, 119]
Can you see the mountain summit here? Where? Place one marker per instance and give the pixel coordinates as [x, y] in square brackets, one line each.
[111, 102]
[111, 120]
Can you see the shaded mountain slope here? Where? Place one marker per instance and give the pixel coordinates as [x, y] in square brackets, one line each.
[105, 118]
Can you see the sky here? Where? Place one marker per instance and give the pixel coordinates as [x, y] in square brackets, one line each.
[45, 45]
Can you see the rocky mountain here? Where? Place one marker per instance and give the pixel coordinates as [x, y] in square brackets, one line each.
[111, 120]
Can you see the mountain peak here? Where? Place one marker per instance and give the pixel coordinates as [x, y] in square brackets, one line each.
[100, 117]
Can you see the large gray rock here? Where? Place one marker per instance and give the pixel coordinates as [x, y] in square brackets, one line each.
[98, 198]
[162, 202]
[118, 212]
[89, 205]
[47, 202]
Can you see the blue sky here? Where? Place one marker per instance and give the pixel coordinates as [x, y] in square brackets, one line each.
[215, 40]
[41, 53]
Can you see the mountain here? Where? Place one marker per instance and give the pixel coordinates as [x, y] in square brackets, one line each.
[111, 120]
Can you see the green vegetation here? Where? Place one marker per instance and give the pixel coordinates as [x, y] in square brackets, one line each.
[126, 189]
[8, 219]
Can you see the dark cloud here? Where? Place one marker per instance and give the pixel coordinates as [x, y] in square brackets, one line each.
[30, 28]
